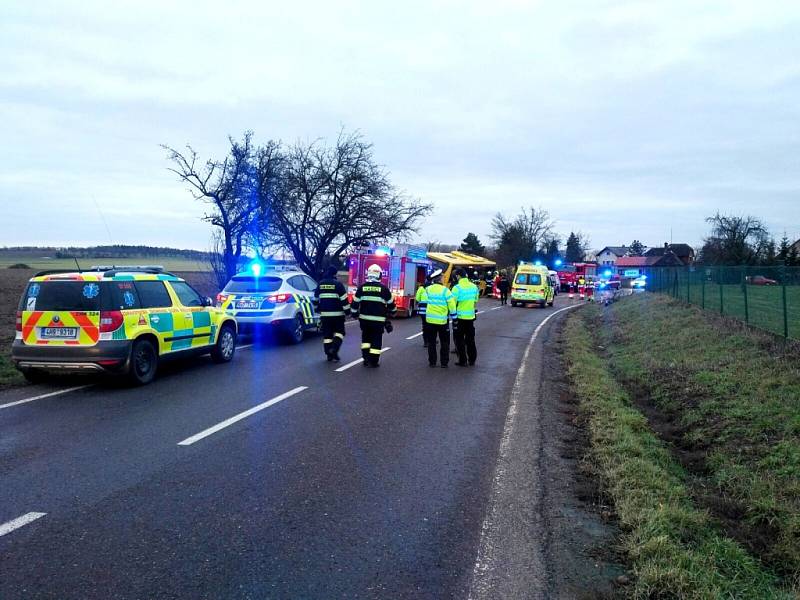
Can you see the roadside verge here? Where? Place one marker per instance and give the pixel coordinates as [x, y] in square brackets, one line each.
[676, 549]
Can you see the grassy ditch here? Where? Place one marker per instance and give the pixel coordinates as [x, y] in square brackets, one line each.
[676, 548]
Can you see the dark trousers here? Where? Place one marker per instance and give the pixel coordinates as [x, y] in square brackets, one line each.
[503, 297]
[424, 325]
[332, 333]
[464, 337]
[371, 340]
[442, 332]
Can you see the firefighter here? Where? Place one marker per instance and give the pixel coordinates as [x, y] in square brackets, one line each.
[422, 301]
[330, 301]
[441, 307]
[466, 296]
[372, 304]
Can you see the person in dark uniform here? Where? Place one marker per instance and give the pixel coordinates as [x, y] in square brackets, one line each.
[503, 286]
[330, 301]
[372, 304]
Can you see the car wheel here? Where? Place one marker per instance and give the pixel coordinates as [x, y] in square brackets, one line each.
[513, 303]
[225, 347]
[295, 330]
[543, 304]
[35, 375]
[144, 363]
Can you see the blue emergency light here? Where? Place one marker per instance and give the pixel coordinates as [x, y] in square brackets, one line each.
[559, 262]
[256, 268]
[538, 263]
[607, 273]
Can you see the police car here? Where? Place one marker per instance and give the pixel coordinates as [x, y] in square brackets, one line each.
[115, 319]
[280, 299]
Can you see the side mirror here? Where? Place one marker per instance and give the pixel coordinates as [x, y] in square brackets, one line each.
[208, 302]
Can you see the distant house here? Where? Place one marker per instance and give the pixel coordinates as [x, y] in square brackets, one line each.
[795, 247]
[684, 252]
[608, 256]
[633, 266]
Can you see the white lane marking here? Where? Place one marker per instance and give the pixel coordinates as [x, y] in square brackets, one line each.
[356, 362]
[480, 586]
[244, 346]
[497, 307]
[10, 526]
[416, 335]
[43, 396]
[351, 322]
[243, 415]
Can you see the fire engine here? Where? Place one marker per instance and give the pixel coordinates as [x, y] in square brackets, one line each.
[569, 275]
[403, 268]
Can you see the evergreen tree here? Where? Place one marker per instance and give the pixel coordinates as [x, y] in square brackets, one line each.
[575, 249]
[784, 248]
[636, 248]
[473, 245]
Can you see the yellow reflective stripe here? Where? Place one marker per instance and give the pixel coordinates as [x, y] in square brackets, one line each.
[372, 318]
[327, 340]
[365, 345]
[374, 350]
[339, 335]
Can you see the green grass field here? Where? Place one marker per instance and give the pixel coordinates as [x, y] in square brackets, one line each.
[759, 306]
[38, 262]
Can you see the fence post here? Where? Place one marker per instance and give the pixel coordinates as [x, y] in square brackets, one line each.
[721, 301]
[688, 286]
[703, 291]
[785, 307]
[744, 291]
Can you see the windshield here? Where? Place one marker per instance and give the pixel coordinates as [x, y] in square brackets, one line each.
[252, 285]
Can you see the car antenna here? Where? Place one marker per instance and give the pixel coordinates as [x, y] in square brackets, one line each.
[77, 264]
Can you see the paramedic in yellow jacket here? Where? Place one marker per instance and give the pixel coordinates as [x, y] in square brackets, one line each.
[440, 309]
[466, 296]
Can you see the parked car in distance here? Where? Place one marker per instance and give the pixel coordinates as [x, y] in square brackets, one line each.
[760, 280]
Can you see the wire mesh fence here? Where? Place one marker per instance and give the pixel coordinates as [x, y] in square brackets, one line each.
[767, 298]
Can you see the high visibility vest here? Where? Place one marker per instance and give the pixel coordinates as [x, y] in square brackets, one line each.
[441, 304]
[466, 296]
[422, 300]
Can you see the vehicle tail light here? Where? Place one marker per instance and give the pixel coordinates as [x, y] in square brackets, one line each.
[18, 323]
[111, 320]
[279, 298]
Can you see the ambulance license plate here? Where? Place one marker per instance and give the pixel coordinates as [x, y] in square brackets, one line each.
[60, 332]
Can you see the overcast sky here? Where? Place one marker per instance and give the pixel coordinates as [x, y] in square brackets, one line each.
[623, 119]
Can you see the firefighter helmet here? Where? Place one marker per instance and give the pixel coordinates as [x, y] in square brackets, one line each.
[436, 274]
[374, 272]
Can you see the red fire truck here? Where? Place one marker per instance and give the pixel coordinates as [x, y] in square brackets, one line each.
[403, 268]
[568, 275]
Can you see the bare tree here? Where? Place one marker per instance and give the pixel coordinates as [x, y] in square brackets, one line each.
[230, 187]
[520, 238]
[329, 198]
[735, 240]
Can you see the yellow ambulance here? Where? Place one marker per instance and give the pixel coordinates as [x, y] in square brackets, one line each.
[531, 285]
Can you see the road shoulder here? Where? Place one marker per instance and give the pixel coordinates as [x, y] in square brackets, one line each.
[542, 536]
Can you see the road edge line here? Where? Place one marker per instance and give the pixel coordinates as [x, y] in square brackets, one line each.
[478, 587]
[43, 396]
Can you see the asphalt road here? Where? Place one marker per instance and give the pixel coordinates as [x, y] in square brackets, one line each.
[340, 484]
